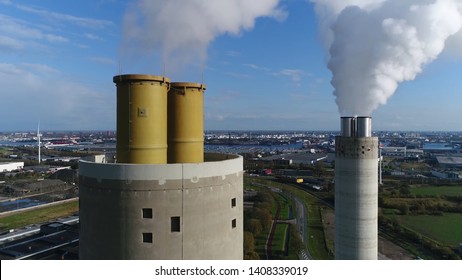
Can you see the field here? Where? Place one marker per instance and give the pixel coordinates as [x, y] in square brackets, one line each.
[285, 205]
[260, 244]
[446, 229]
[414, 166]
[38, 216]
[280, 237]
[437, 191]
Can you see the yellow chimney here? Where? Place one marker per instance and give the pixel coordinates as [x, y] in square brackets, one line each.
[142, 119]
[186, 123]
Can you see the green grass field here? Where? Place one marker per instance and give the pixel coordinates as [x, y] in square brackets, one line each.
[329, 239]
[279, 240]
[435, 191]
[446, 229]
[38, 216]
[285, 204]
[260, 242]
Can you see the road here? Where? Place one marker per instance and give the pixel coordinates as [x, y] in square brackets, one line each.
[301, 225]
[300, 219]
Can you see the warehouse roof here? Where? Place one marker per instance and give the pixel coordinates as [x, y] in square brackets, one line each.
[449, 160]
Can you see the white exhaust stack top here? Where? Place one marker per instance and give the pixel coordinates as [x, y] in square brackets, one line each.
[356, 126]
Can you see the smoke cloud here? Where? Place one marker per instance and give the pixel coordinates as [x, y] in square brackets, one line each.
[373, 45]
[181, 31]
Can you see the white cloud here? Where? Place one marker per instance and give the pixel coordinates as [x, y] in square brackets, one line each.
[238, 75]
[102, 60]
[454, 44]
[82, 46]
[233, 53]
[20, 30]
[92, 36]
[295, 75]
[256, 67]
[10, 44]
[56, 99]
[56, 39]
[39, 68]
[379, 44]
[214, 117]
[9, 69]
[79, 21]
[148, 26]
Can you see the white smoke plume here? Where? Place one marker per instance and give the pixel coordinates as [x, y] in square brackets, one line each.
[181, 31]
[373, 45]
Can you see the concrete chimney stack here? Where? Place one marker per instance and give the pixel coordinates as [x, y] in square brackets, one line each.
[356, 190]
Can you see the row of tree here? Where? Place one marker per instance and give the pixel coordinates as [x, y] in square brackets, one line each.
[426, 245]
[422, 206]
[257, 219]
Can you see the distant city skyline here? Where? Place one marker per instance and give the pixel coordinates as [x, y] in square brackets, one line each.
[58, 59]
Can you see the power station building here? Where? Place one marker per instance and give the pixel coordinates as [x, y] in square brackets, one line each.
[356, 190]
[161, 197]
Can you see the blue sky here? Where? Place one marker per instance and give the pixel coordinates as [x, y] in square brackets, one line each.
[57, 60]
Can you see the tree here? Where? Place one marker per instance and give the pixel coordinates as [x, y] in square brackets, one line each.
[251, 256]
[266, 219]
[381, 201]
[249, 242]
[264, 197]
[254, 226]
[420, 208]
[404, 209]
[405, 190]
[319, 169]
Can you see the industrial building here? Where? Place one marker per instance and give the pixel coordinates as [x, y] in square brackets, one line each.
[356, 190]
[439, 148]
[50, 241]
[160, 197]
[401, 152]
[11, 166]
[449, 161]
[442, 174]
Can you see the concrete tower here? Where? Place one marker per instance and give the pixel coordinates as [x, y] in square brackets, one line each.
[141, 207]
[356, 190]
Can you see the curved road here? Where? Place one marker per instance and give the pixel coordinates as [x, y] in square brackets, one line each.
[300, 219]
